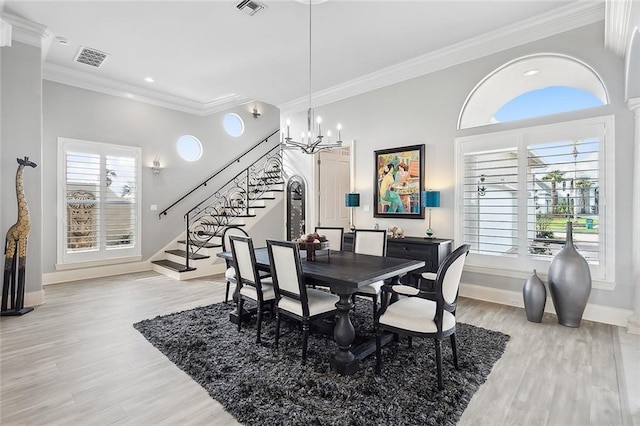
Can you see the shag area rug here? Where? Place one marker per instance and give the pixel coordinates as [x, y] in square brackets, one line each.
[261, 386]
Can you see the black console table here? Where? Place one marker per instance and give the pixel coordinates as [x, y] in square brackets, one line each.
[431, 250]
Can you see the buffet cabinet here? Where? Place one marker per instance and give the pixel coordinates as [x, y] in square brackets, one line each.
[431, 250]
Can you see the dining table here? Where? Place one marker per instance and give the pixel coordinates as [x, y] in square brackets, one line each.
[344, 273]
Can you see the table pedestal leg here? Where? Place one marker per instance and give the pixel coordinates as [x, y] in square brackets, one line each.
[246, 313]
[344, 334]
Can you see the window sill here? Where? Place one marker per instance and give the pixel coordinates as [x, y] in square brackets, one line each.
[94, 263]
[523, 275]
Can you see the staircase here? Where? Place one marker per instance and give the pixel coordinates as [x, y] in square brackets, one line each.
[241, 202]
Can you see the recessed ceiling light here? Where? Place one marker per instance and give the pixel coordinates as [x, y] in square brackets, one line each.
[530, 72]
[63, 41]
[150, 79]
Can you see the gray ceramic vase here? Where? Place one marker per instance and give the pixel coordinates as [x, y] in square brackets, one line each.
[569, 283]
[535, 297]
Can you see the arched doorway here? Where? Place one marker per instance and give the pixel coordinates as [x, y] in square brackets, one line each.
[296, 203]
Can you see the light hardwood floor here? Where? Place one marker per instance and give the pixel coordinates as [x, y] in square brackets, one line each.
[78, 360]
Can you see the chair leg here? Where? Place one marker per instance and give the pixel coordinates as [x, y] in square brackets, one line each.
[439, 363]
[409, 341]
[378, 351]
[226, 293]
[375, 307]
[454, 350]
[239, 307]
[277, 329]
[260, 307]
[305, 338]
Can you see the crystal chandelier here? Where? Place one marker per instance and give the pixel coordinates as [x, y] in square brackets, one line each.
[311, 143]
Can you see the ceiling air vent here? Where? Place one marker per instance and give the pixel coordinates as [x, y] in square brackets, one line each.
[250, 7]
[91, 57]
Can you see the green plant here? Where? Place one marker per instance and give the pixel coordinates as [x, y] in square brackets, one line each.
[543, 220]
[554, 177]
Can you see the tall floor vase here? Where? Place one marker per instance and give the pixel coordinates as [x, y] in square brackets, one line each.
[569, 283]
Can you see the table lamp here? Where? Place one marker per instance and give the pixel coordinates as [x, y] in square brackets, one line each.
[351, 199]
[429, 200]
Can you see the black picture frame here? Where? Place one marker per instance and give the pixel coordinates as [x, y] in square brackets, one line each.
[398, 182]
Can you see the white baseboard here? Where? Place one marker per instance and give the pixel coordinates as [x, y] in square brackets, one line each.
[597, 313]
[95, 272]
[34, 298]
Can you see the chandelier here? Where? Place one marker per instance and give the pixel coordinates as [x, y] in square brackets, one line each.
[310, 142]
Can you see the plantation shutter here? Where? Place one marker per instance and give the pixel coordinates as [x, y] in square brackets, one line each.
[100, 218]
[564, 184]
[490, 201]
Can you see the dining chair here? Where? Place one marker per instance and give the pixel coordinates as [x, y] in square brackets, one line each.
[251, 285]
[230, 273]
[293, 298]
[372, 242]
[334, 235]
[417, 315]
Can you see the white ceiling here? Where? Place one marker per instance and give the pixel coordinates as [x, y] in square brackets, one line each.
[208, 53]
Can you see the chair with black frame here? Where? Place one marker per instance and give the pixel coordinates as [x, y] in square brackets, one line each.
[372, 242]
[418, 315]
[334, 235]
[293, 298]
[230, 273]
[251, 285]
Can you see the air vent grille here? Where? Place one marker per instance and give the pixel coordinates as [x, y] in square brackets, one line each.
[250, 7]
[91, 57]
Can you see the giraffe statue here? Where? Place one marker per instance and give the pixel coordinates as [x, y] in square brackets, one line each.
[15, 251]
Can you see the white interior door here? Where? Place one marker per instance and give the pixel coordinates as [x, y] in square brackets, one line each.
[334, 180]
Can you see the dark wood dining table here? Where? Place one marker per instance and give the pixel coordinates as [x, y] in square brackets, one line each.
[345, 272]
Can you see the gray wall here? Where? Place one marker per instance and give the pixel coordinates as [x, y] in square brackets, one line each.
[425, 110]
[21, 130]
[82, 114]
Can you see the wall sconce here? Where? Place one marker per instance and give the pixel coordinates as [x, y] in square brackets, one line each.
[351, 199]
[156, 166]
[430, 199]
[255, 112]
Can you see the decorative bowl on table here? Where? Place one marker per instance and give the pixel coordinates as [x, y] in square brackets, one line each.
[312, 242]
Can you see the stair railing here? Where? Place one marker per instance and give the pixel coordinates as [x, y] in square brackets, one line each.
[213, 176]
[232, 201]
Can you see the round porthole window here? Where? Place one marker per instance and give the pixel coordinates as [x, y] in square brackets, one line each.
[189, 148]
[233, 125]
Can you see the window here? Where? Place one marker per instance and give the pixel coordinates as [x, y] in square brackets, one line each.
[189, 148]
[533, 86]
[99, 201]
[233, 125]
[517, 189]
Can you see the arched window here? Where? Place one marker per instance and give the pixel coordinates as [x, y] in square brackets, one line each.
[533, 86]
[517, 188]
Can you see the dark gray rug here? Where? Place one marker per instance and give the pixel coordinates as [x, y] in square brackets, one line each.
[261, 386]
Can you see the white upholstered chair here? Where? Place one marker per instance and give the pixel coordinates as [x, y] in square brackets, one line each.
[417, 315]
[335, 236]
[251, 285]
[293, 298]
[374, 243]
[230, 273]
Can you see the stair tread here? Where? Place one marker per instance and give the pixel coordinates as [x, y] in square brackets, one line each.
[199, 244]
[226, 215]
[174, 266]
[182, 253]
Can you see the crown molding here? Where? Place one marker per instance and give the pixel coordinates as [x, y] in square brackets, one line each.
[88, 81]
[618, 25]
[28, 32]
[555, 22]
